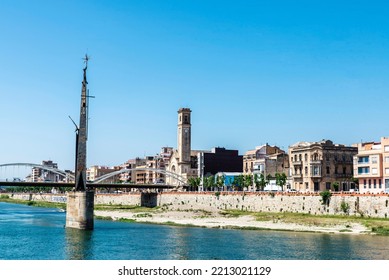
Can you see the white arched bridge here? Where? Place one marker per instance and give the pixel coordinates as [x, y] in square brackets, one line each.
[176, 179]
[62, 173]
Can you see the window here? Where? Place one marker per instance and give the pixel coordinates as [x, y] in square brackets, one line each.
[375, 183]
[374, 171]
[386, 159]
[364, 184]
[344, 170]
[328, 169]
[306, 170]
[300, 157]
[386, 171]
[306, 186]
[386, 148]
[327, 157]
[328, 185]
[374, 159]
[365, 170]
[369, 184]
[363, 159]
[380, 183]
[306, 157]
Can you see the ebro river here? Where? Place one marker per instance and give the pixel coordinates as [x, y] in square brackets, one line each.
[33, 233]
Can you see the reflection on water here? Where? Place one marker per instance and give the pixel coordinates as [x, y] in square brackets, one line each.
[78, 244]
[36, 233]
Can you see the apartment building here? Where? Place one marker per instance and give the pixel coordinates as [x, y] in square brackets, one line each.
[145, 170]
[371, 166]
[43, 174]
[96, 171]
[267, 160]
[131, 175]
[318, 166]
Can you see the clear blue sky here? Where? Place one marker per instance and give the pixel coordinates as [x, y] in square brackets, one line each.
[251, 71]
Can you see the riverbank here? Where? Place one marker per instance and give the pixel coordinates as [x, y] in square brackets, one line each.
[239, 220]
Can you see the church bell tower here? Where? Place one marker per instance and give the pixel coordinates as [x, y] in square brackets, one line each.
[184, 139]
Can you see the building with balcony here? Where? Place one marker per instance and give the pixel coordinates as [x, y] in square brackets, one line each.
[316, 166]
[267, 160]
[371, 166]
[44, 174]
[96, 171]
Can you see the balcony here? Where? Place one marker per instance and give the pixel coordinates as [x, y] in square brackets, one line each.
[316, 175]
[363, 160]
[297, 176]
[347, 175]
[299, 162]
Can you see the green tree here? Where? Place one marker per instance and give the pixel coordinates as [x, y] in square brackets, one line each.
[247, 181]
[238, 182]
[325, 197]
[220, 181]
[260, 181]
[209, 182]
[355, 181]
[194, 182]
[335, 185]
[281, 180]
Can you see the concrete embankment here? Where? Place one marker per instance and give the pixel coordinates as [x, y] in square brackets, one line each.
[354, 204]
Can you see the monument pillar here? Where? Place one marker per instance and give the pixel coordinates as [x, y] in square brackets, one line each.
[80, 202]
[79, 210]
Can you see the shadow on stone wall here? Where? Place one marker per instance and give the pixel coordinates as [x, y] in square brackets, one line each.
[149, 199]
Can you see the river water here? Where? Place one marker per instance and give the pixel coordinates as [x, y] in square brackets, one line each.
[33, 233]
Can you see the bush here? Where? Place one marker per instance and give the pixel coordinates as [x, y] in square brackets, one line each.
[325, 197]
[4, 196]
[345, 207]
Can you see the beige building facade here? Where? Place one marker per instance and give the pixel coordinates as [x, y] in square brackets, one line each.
[267, 160]
[371, 166]
[319, 166]
[96, 171]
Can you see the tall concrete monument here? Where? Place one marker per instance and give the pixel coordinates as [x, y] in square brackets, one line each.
[80, 202]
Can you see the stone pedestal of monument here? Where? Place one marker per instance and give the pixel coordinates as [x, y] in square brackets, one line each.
[79, 210]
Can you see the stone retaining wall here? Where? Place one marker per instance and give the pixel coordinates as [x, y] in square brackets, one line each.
[359, 204]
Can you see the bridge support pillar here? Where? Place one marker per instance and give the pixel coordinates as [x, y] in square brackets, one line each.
[79, 210]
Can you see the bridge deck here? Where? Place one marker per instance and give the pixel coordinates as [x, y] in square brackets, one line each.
[88, 185]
